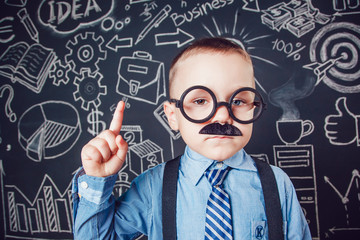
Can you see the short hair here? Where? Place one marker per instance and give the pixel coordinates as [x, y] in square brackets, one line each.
[211, 44]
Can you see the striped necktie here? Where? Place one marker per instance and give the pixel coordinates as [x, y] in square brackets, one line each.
[218, 224]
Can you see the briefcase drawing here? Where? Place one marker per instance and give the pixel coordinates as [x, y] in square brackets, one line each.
[141, 78]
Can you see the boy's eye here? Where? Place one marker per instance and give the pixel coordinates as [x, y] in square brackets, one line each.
[238, 102]
[200, 101]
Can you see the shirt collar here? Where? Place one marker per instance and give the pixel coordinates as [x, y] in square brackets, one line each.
[193, 164]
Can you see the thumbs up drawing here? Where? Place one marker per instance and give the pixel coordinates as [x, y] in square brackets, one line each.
[341, 128]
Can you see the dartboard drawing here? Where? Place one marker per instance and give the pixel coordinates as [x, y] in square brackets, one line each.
[338, 44]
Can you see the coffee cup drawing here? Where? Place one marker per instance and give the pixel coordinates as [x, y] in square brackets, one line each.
[291, 131]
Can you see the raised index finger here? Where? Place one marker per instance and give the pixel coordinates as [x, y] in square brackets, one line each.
[116, 122]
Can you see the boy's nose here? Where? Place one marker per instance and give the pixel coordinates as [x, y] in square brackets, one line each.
[222, 115]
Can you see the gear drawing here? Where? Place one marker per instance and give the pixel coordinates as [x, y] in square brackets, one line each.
[85, 52]
[59, 73]
[89, 89]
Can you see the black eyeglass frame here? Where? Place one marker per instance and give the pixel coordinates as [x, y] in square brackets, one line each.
[261, 104]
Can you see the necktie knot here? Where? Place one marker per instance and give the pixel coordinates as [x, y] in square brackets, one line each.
[216, 176]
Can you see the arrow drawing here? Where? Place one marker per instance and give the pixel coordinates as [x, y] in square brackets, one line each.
[115, 43]
[333, 229]
[320, 69]
[346, 13]
[180, 38]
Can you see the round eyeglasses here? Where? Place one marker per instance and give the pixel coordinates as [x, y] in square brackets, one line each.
[198, 104]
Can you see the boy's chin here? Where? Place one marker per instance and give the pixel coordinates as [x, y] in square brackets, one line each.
[219, 154]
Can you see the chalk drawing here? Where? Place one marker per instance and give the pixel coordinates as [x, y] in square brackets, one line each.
[27, 64]
[334, 53]
[67, 16]
[143, 156]
[141, 78]
[297, 16]
[50, 136]
[85, 52]
[49, 211]
[6, 29]
[89, 89]
[8, 111]
[154, 23]
[351, 200]
[60, 73]
[180, 38]
[299, 163]
[28, 24]
[336, 123]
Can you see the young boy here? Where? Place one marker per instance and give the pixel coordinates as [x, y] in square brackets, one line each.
[213, 104]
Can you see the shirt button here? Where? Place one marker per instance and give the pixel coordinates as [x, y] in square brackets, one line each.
[84, 185]
[219, 164]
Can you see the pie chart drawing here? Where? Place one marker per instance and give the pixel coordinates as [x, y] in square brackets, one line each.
[48, 130]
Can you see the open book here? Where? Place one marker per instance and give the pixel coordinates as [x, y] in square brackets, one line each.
[29, 65]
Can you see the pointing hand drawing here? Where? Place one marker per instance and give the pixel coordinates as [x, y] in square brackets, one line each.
[336, 123]
[105, 154]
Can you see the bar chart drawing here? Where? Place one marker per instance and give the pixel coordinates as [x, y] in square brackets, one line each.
[49, 212]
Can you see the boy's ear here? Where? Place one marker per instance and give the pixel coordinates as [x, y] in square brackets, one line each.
[169, 110]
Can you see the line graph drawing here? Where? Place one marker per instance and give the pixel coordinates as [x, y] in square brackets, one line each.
[350, 197]
[354, 180]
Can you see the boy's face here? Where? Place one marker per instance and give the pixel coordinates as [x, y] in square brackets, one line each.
[223, 74]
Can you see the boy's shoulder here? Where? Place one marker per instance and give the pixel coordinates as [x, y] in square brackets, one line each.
[281, 177]
[278, 171]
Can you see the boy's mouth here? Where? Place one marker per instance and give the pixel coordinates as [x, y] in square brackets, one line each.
[218, 129]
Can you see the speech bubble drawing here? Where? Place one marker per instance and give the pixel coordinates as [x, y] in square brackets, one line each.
[68, 15]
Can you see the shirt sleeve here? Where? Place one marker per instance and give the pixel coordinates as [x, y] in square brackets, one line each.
[97, 215]
[295, 223]
[93, 206]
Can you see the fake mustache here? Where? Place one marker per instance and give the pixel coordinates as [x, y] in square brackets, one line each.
[218, 129]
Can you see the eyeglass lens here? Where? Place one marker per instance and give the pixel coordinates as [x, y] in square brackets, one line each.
[199, 104]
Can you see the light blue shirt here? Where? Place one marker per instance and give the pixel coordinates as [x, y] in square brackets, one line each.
[98, 216]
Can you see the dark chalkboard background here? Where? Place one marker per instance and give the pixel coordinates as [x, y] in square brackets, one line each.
[86, 55]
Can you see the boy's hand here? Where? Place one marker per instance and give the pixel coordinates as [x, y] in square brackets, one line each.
[105, 154]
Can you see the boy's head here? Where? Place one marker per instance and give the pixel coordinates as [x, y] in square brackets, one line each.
[206, 45]
[222, 67]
